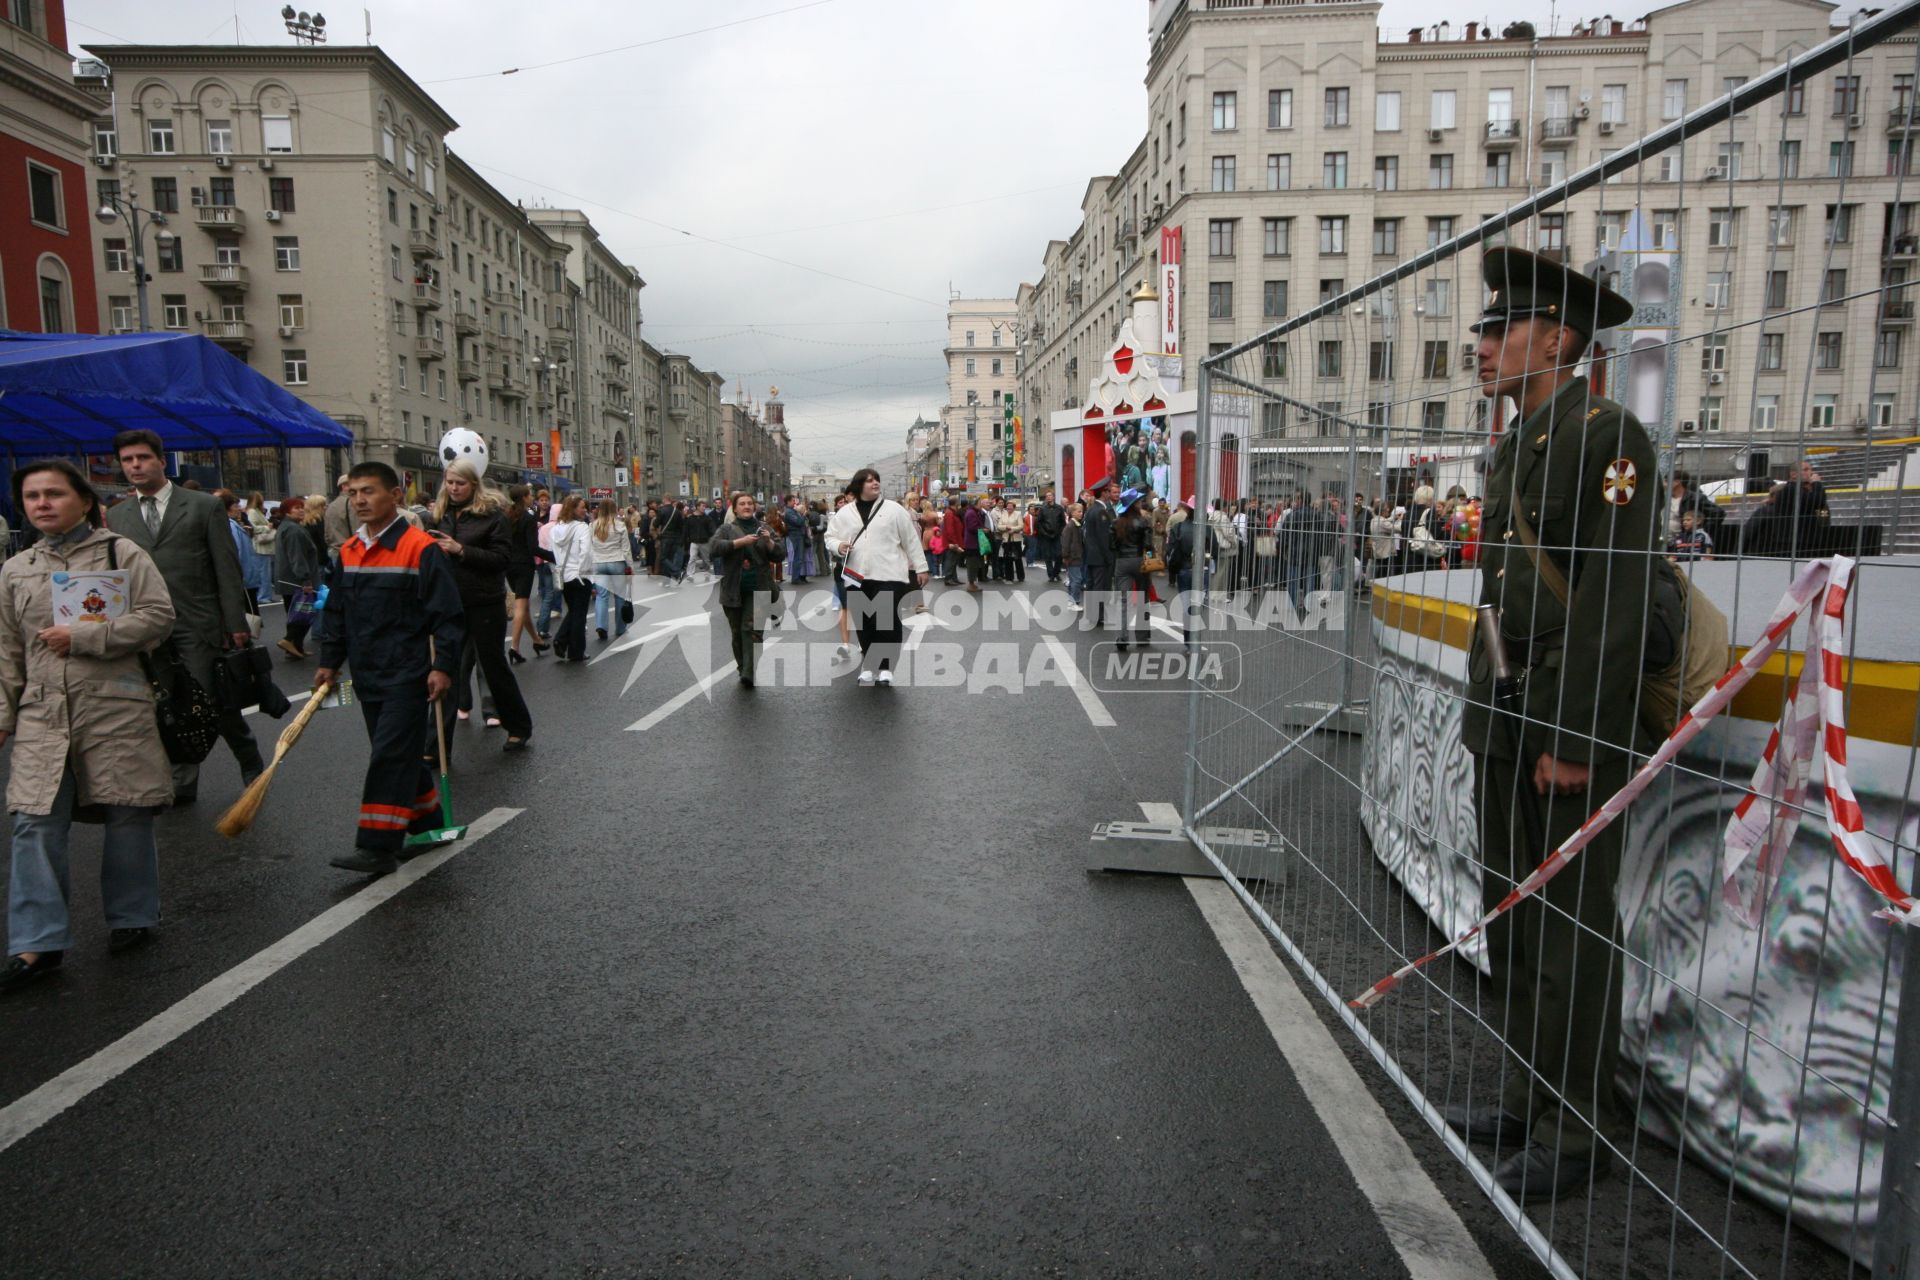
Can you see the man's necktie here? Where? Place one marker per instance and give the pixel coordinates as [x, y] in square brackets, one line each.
[150, 508]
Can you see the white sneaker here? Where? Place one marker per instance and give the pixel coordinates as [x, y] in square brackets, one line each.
[1076, 607]
[842, 651]
[866, 678]
[886, 676]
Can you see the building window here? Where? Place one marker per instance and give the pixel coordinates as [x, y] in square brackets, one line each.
[1790, 158]
[1846, 95]
[1673, 100]
[1553, 168]
[1333, 170]
[1779, 227]
[1220, 300]
[170, 255]
[1833, 286]
[120, 318]
[293, 367]
[1840, 159]
[166, 195]
[117, 257]
[994, 366]
[1332, 287]
[220, 192]
[1433, 415]
[280, 194]
[1499, 168]
[1433, 359]
[410, 160]
[969, 337]
[1794, 103]
[276, 134]
[1776, 291]
[441, 378]
[1773, 348]
[44, 205]
[1440, 109]
[286, 253]
[1333, 235]
[1223, 173]
[1881, 414]
[1900, 157]
[220, 137]
[1279, 108]
[173, 310]
[1825, 407]
[1613, 104]
[1766, 413]
[1273, 361]
[1386, 112]
[293, 311]
[1439, 296]
[1273, 299]
[1226, 111]
[400, 371]
[1827, 351]
[1719, 290]
[1220, 237]
[1728, 159]
[1337, 105]
[1713, 354]
[1380, 361]
[393, 265]
[1279, 172]
[1553, 232]
[971, 366]
[1886, 349]
[1386, 237]
[1439, 231]
[160, 137]
[1720, 223]
[1440, 173]
[1327, 358]
[393, 206]
[1386, 173]
[106, 140]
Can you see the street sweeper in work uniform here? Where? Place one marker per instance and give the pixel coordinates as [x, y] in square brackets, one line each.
[393, 617]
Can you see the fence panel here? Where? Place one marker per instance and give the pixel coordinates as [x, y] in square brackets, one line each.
[1733, 1079]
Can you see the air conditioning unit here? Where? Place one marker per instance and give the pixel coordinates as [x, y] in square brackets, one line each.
[439, 208]
[266, 162]
[1607, 126]
[1435, 135]
[1584, 112]
[271, 215]
[1715, 379]
[286, 331]
[223, 162]
[1716, 174]
[1854, 121]
[1688, 426]
[105, 162]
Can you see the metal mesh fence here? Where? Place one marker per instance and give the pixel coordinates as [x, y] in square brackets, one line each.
[1711, 1093]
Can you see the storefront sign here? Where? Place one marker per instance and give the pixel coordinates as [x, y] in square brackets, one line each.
[536, 456]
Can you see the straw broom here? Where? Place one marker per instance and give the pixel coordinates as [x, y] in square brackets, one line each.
[247, 807]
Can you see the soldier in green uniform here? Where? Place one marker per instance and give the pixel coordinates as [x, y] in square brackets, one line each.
[1569, 529]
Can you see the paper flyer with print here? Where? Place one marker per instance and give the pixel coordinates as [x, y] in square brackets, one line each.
[88, 597]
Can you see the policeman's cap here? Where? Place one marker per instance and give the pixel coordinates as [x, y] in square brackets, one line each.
[1526, 285]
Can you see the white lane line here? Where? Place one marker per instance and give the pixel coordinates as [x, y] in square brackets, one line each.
[1089, 700]
[1425, 1231]
[26, 1114]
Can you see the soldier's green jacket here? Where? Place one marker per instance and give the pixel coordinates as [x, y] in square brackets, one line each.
[1567, 468]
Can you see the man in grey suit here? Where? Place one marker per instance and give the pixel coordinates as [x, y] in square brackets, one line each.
[189, 538]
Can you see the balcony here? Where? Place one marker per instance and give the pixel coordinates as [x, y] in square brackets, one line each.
[229, 333]
[1892, 312]
[426, 295]
[500, 298]
[1558, 128]
[1897, 120]
[560, 349]
[423, 244]
[428, 347]
[467, 369]
[616, 356]
[502, 380]
[617, 377]
[466, 321]
[1503, 133]
[224, 277]
[223, 218]
[1905, 246]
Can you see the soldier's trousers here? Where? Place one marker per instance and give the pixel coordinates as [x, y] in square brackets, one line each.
[1556, 963]
[400, 795]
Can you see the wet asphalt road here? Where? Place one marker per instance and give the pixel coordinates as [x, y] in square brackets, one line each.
[795, 982]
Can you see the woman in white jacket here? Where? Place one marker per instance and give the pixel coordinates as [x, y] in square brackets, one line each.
[878, 543]
[571, 544]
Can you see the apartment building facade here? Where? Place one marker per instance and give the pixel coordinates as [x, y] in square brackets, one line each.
[324, 233]
[46, 222]
[1300, 153]
[753, 457]
[691, 461]
[602, 349]
[982, 373]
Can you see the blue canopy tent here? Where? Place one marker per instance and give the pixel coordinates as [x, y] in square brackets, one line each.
[68, 393]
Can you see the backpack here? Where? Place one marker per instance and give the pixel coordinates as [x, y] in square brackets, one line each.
[1685, 651]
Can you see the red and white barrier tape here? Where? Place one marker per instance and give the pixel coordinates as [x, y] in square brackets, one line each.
[1756, 829]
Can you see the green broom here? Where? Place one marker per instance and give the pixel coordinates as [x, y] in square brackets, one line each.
[446, 833]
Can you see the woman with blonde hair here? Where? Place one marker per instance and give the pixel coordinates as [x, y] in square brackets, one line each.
[569, 538]
[468, 521]
[611, 556]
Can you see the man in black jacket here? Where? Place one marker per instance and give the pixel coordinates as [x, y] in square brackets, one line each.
[1098, 525]
[1048, 524]
[1181, 538]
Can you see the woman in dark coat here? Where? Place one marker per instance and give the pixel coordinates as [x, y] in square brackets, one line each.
[296, 568]
[1132, 544]
[523, 552]
[470, 524]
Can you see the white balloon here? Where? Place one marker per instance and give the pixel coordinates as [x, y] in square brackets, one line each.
[462, 442]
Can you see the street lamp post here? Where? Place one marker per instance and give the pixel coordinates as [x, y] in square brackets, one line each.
[114, 207]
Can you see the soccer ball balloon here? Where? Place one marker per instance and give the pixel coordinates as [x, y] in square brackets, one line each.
[462, 443]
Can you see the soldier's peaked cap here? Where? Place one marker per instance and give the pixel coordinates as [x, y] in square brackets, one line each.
[1525, 285]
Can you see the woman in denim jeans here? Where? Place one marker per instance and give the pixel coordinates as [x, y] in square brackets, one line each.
[612, 558]
[85, 741]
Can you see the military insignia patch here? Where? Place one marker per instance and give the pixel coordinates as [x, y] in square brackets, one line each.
[1619, 482]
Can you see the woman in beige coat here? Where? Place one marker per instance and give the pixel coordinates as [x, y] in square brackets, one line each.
[78, 709]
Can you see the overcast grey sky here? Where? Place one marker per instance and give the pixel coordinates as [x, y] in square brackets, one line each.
[883, 150]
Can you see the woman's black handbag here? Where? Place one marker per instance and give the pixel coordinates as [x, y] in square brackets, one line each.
[189, 722]
[244, 678]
